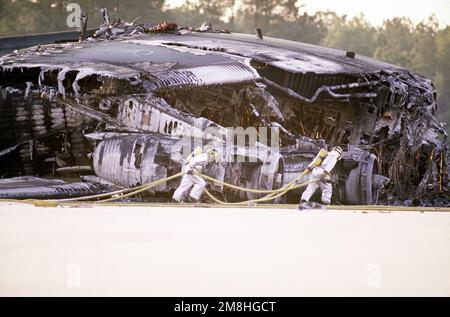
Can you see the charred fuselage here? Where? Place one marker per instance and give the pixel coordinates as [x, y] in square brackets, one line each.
[116, 110]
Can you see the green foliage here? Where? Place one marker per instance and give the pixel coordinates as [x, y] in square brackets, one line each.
[423, 48]
[395, 42]
[442, 78]
[38, 16]
[354, 35]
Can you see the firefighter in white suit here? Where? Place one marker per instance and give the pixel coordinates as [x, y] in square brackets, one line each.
[195, 184]
[320, 169]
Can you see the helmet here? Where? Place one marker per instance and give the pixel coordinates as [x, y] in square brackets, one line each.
[339, 150]
[214, 155]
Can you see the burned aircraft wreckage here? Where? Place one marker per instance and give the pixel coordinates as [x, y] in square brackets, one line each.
[112, 109]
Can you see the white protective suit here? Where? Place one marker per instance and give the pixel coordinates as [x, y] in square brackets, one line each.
[197, 183]
[322, 173]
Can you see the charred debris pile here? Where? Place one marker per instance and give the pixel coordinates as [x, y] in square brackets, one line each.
[113, 108]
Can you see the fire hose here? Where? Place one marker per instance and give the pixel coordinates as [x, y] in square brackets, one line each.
[271, 194]
[128, 192]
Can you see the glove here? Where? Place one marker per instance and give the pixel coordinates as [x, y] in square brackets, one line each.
[321, 176]
[216, 187]
[194, 171]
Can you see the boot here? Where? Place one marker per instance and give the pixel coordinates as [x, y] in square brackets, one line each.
[324, 206]
[192, 200]
[315, 205]
[304, 205]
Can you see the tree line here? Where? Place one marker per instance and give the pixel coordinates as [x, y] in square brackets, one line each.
[422, 47]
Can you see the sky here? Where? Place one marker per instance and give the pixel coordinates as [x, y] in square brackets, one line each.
[376, 11]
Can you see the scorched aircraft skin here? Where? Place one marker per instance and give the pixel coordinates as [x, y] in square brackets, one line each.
[113, 109]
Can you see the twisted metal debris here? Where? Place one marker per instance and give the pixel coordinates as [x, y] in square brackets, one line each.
[119, 102]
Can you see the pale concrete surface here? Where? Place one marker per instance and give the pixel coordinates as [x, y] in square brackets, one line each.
[134, 251]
